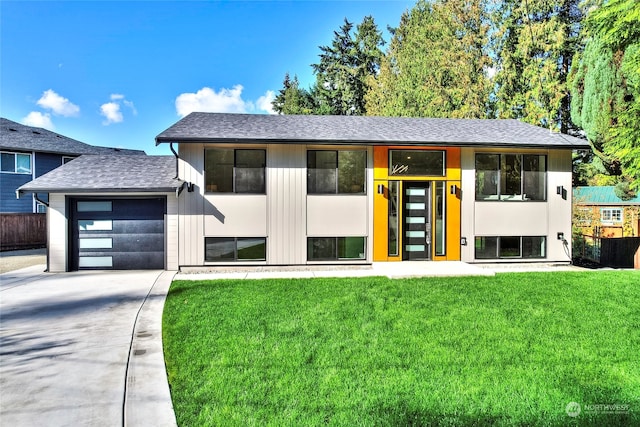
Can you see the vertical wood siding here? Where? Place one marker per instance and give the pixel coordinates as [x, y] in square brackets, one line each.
[286, 204]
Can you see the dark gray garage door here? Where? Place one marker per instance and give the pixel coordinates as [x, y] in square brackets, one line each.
[118, 234]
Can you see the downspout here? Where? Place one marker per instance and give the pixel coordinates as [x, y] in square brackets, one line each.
[177, 158]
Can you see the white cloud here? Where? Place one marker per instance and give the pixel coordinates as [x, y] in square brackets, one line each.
[130, 105]
[207, 100]
[58, 104]
[38, 119]
[111, 111]
[264, 102]
[224, 101]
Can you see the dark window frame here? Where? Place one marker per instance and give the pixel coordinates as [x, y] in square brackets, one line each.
[394, 171]
[362, 188]
[501, 175]
[499, 247]
[234, 174]
[337, 246]
[236, 250]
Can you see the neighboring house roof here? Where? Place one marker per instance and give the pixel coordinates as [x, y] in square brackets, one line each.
[604, 195]
[251, 128]
[15, 136]
[91, 173]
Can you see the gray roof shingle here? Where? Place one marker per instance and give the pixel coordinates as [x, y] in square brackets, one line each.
[15, 136]
[90, 173]
[252, 128]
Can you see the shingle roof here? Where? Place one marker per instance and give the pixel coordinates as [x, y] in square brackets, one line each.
[90, 173]
[604, 195]
[248, 128]
[15, 136]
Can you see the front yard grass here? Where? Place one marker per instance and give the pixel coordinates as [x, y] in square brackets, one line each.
[514, 349]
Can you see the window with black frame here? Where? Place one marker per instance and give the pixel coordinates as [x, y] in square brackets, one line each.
[511, 177]
[235, 170]
[336, 171]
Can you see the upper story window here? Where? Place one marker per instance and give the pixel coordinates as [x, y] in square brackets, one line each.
[234, 171]
[416, 163]
[336, 172]
[611, 215]
[511, 177]
[15, 163]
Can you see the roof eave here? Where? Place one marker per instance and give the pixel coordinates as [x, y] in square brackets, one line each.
[205, 140]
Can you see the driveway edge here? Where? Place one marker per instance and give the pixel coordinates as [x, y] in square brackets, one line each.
[147, 401]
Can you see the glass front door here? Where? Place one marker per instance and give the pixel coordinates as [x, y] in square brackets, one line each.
[416, 212]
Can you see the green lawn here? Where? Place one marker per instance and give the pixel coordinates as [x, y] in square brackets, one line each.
[514, 349]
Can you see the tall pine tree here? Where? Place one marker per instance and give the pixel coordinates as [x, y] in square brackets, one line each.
[535, 43]
[437, 63]
[344, 67]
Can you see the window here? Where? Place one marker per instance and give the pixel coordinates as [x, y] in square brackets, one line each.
[511, 177]
[235, 249]
[335, 248]
[510, 247]
[235, 171]
[611, 215]
[66, 159]
[15, 163]
[416, 162]
[336, 172]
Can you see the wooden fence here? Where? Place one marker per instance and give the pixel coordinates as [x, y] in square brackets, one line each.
[22, 231]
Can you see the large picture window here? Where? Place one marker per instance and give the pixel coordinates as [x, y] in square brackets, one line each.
[235, 171]
[336, 248]
[511, 177]
[508, 247]
[336, 172]
[15, 163]
[221, 249]
[416, 163]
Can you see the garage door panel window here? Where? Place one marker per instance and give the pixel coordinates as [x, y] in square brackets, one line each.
[96, 206]
[95, 262]
[95, 225]
[96, 243]
[235, 171]
[231, 249]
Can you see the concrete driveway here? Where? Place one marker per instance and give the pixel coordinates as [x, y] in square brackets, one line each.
[83, 348]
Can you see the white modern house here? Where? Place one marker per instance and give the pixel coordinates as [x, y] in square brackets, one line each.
[301, 190]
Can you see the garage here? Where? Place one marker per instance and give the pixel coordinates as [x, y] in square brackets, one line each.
[118, 234]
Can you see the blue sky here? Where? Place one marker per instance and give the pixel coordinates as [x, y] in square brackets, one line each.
[118, 73]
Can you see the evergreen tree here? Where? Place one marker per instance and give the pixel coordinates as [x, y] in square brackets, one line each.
[292, 99]
[535, 43]
[605, 87]
[344, 67]
[436, 65]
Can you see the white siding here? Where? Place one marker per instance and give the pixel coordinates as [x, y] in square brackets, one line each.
[286, 204]
[235, 215]
[337, 216]
[171, 233]
[58, 232]
[191, 206]
[519, 218]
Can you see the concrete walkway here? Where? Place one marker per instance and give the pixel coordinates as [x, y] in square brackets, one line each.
[83, 349]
